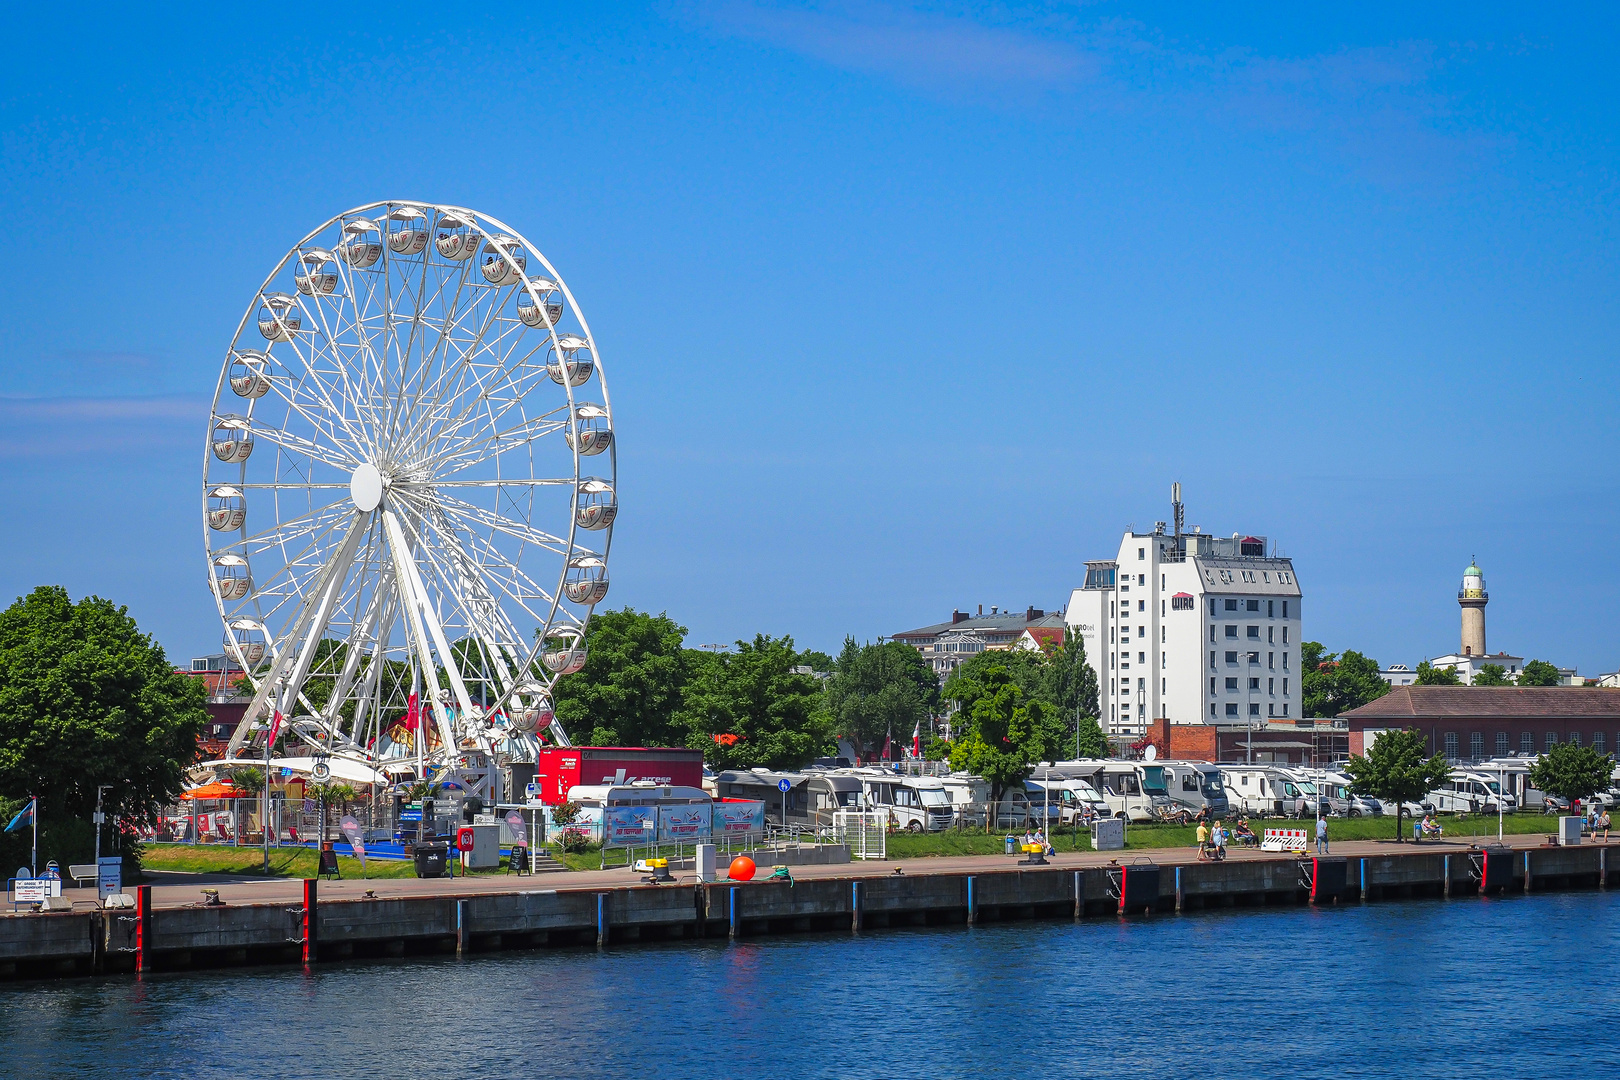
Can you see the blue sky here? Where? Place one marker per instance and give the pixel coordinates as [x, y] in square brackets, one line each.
[903, 306]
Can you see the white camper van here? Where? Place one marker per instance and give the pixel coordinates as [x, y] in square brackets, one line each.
[1133, 790]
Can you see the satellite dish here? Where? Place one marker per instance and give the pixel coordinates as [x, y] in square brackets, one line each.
[1151, 753]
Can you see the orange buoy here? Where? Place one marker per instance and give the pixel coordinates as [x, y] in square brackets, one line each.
[742, 869]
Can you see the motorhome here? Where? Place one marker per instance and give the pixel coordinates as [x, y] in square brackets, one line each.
[1196, 785]
[1342, 799]
[1468, 792]
[1069, 798]
[970, 797]
[1133, 790]
[1253, 789]
[914, 803]
[790, 807]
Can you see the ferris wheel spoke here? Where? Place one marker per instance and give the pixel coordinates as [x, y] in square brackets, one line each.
[465, 351]
[297, 444]
[502, 380]
[284, 531]
[481, 553]
[350, 393]
[476, 451]
[458, 575]
[472, 514]
[298, 344]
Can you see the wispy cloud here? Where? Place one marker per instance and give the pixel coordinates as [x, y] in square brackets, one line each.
[33, 427]
[922, 49]
[1380, 107]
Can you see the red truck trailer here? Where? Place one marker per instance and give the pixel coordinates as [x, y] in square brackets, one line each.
[564, 767]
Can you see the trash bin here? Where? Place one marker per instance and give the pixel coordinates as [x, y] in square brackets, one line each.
[1012, 845]
[430, 859]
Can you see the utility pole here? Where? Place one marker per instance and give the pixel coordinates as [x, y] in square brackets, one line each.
[100, 817]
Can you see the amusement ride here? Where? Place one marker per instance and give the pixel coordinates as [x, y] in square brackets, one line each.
[409, 490]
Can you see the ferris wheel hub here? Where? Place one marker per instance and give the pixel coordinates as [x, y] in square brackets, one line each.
[366, 487]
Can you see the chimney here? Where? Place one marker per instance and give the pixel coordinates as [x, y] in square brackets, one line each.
[1033, 613]
[981, 611]
[957, 616]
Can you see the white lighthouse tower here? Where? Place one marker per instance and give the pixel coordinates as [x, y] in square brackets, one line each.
[1472, 598]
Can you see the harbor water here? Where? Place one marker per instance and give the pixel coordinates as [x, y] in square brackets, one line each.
[1517, 986]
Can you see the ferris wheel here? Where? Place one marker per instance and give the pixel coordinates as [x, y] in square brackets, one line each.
[409, 490]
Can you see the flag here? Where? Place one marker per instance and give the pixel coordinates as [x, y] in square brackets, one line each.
[916, 741]
[413, 714]
[25, 816]
[888, 744]
[275, 726]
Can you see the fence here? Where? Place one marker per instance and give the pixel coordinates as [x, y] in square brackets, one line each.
[866, 833]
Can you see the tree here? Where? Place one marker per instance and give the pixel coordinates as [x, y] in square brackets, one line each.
[1093, 743]
[878, 690]
[629, 690]
[1073, 684]
[87, 699]
[763, 712]
[1571, 772]
[1027, 668]
[1539, 673]
[1429, 675]
[1396, 769]
[1005, 731]
[1335, 683]
[1492, 675]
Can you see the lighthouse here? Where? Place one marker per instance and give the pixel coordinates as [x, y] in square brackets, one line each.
[1472, 598]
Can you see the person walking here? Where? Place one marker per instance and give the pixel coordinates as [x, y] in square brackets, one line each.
[1203, 840]
[1603, 823]
[1321, 834]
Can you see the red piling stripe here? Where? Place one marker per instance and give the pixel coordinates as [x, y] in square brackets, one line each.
[309, 920]
[143, 926]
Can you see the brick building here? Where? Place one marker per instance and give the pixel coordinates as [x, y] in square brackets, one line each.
[1472, 723]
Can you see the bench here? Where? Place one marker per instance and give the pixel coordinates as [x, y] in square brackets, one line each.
[82, 873]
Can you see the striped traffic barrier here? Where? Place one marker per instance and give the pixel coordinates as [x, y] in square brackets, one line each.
[1283, 840]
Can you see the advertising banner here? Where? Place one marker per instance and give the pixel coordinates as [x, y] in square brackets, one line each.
[623, 825]
[739, 818]
[683, 822]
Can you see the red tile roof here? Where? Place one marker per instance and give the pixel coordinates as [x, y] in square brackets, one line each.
[1489, 703]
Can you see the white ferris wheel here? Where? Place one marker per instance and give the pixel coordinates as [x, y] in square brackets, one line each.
[409, 491]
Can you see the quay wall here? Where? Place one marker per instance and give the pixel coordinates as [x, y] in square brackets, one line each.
[87, 942]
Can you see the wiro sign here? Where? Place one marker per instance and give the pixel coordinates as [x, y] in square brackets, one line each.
[623, 826]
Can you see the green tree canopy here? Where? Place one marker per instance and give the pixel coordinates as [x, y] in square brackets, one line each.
[1539, 673]
[1072, 679]
[1335, 683]
[765, 714]
[1004, 730]
[1429, 675]
[876, 690]
[1093, 742]
[87, 699]
[1492, 675]
[1571, 772]
[629, 691]
[1396, 768]
[1027, 668]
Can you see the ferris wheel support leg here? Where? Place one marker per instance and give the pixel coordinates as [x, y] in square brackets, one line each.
[273, 683]
[363, 632]
[414, 594]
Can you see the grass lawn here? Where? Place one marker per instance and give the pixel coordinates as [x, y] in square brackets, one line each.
[1144, 837]
[284, 862]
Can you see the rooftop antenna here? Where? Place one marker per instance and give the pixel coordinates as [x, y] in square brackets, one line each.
[1180, 512]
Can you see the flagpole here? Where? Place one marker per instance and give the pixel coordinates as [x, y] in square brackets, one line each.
[33, 855]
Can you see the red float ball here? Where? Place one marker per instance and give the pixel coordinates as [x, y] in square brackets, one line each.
[742, 869]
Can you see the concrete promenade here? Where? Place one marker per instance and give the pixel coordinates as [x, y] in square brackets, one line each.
[233, 890]
[292, 921]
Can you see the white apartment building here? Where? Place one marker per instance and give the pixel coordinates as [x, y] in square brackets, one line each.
[1193, 628]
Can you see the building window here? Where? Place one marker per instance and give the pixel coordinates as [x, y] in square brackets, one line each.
[1574, 738]
[1254, 633]
[1271, 685]
[1527, 743]
[1141, 658]
[1271, 661]
[1600, 742]
[1285, 609]
[1141, 631]
[1212, 605]
[1141, 553]
[1501, 744]
[1254, 708]
[1552, 740]
[1271, 609]
[1212, 632]
[1231, 605]
[1271, 635]
[1231, 657]
[1164, 686]
[1252, 605]
[1254, 659]
[1141, 605]
[1231, 685]
[1161, 581]
[1285, 635]
[1285, 656]
[1164, 660]
[1285, 708]
[1476, 745]
[1254, 685]
[1212, 710]
[1111, 657]
[1451, 745]
[1212, 660]
[1231, 708]
[1231, 631]
[1285, 689]
[1271, 710]
[1212, 686]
